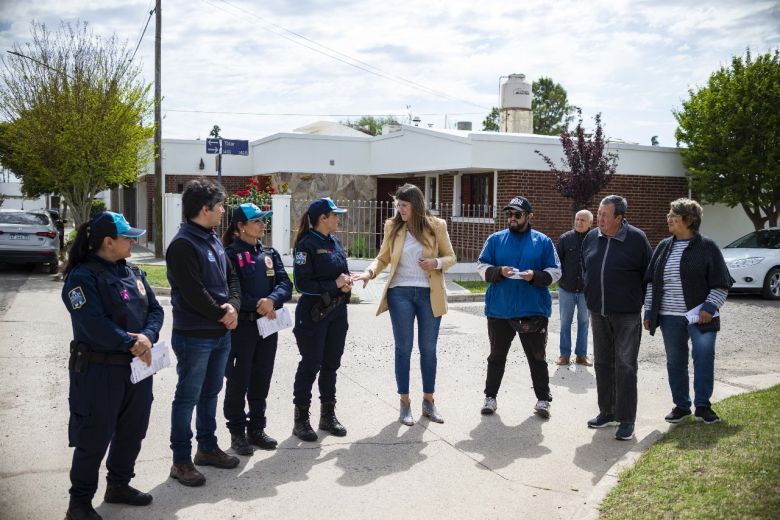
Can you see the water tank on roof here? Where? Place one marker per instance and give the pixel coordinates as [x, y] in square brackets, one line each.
[516, 92]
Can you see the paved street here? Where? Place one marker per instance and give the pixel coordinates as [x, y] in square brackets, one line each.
[511, 465]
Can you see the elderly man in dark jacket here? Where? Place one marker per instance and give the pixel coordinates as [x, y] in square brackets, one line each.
[615, 256]
[571, 288]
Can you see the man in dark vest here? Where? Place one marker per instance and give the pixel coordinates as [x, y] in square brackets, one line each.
[205, 296]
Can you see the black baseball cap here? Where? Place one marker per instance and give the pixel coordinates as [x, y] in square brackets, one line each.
[519, 203]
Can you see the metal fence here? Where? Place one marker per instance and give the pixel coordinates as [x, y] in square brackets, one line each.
[361, 228]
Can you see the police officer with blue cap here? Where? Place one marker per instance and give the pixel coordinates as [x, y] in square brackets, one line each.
[322, 277]
[265, 286]
[115, 317]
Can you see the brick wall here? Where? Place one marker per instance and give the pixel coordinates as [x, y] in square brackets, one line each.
[176, 183]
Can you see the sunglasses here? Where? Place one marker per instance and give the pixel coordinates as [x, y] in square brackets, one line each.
[516, 214]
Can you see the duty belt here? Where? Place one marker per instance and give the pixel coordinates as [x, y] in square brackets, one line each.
[106, 358]
[248, 316]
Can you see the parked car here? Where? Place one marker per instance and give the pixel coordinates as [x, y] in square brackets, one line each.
[754, 262]
[28, 237]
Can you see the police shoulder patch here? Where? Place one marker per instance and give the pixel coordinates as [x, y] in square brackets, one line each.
[300, 258]
[77, 298]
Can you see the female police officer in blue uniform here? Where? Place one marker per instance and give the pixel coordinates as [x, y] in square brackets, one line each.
[322, 277]
[265, 286]
[115, 317]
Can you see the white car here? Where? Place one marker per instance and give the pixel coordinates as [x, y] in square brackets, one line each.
[28, 237]
[754, 262]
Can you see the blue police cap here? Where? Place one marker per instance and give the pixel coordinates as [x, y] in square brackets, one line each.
[110, 224]
[323, 206]
[248, 212]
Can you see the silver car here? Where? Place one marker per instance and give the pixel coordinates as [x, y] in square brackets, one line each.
[754, 262]
[28, 237]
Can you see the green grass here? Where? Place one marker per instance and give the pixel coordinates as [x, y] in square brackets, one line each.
[155, 274]
[725, 470]
[479, 287]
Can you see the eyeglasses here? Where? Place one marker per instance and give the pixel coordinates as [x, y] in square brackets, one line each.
[516, 214]
[672, 216]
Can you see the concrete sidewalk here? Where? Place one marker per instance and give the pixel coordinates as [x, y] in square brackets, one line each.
[510, 465]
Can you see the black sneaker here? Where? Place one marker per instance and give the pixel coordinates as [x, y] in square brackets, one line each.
[677, 415]
[707, 415]
[602, 420]
[625, 431]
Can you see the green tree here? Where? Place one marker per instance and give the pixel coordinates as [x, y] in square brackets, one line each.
[490, 124]
[551, 108]
[370, 125]
[654, 141]
[586, 169]
[215, 132]
[730, 127]
[76, 113]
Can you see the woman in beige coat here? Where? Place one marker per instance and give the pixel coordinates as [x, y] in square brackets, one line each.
[417, 248]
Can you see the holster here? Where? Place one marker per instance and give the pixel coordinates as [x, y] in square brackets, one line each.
[79, 356]
[325, 306]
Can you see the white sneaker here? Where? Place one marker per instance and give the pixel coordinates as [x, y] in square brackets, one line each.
[490, 406]
[542, 409]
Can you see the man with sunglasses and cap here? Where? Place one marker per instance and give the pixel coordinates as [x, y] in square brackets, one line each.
[265, 286]
[519, 263]
[115, 318]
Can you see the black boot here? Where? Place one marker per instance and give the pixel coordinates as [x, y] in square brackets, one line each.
[240, 444]
[303, 429]
[126, 494]
[81, 511]
[259, 438]
[328, 421]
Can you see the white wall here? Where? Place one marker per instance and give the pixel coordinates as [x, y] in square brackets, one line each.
[304, 153]
[723, 224]
[15, 200]
[416, 150]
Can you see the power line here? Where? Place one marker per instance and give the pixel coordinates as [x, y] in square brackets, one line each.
[290, 114]
[142, 34]
[347, 60]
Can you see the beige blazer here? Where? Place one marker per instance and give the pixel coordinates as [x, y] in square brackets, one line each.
[390, 254]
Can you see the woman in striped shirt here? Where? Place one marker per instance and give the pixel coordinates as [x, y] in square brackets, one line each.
[687, 282]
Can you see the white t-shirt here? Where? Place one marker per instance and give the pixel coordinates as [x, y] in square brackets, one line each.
[408, 273]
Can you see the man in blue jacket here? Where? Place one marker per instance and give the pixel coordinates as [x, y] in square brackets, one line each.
[615, 257]
[520, 263]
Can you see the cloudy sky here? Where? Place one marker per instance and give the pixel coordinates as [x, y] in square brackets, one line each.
[285, 64]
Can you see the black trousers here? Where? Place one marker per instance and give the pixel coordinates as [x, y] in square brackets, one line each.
[321, 345]
[616, 339]
[249, 370]
[105, 408]
[501, 333]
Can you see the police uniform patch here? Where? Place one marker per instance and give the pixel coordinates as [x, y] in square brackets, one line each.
[211, 256]
[77, 298]
[300, 258]
[141, 288]
[269, 263]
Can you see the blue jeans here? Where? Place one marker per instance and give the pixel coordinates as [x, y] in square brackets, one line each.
[566, 302]
[200, 365]
[404, 304]
[676, 332]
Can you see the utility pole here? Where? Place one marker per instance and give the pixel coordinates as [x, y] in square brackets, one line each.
[158, 177]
